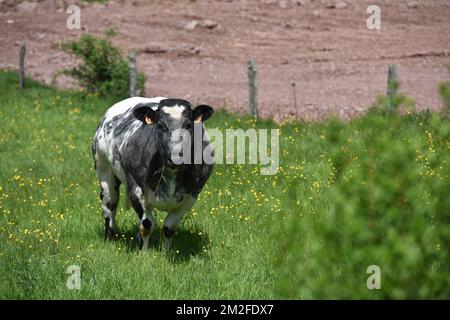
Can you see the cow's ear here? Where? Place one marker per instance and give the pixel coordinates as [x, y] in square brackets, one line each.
[146, 114]
[202, 113]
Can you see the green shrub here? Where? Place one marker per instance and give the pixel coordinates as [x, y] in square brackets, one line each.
[388, 206]
[103, 70]
[398, 100]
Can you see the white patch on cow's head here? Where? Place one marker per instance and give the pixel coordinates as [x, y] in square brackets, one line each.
[175, 111]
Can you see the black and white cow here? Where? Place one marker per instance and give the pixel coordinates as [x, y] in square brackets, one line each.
[133, 146]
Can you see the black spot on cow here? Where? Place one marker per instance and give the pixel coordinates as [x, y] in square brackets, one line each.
[147, 223]
[123, 125]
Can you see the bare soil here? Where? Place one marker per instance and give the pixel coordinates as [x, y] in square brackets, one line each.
[325, 47]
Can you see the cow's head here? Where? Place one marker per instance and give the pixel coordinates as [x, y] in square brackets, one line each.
[169, 117]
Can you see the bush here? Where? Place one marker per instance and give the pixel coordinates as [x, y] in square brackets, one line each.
[398, 100]
[388, 206]
[103, 70]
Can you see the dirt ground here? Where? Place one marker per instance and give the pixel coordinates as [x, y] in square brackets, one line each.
[198, 50]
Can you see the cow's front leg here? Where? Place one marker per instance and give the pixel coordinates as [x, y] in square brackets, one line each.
[173, 219]
[146, 222]
[170, 226]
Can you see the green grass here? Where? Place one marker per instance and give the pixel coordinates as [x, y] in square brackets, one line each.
[51, 218]
[239, 242]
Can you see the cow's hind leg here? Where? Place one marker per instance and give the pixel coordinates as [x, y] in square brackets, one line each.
[109, 194]
[146, 222]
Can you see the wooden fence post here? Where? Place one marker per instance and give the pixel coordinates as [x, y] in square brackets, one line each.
[133, 73]
[295, 100]
[391, 87]
[252, 90]
[22, 52]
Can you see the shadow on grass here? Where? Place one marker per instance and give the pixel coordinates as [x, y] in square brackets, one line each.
[186, 243]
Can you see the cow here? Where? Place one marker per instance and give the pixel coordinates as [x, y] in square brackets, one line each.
[133, 146]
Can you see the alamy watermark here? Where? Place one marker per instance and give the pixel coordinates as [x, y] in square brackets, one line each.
[374, 280]
[74, 277]
[231, 151]
[73, 22]
[374, 20]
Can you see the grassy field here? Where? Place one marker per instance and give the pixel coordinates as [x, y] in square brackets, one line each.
[248, 237]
